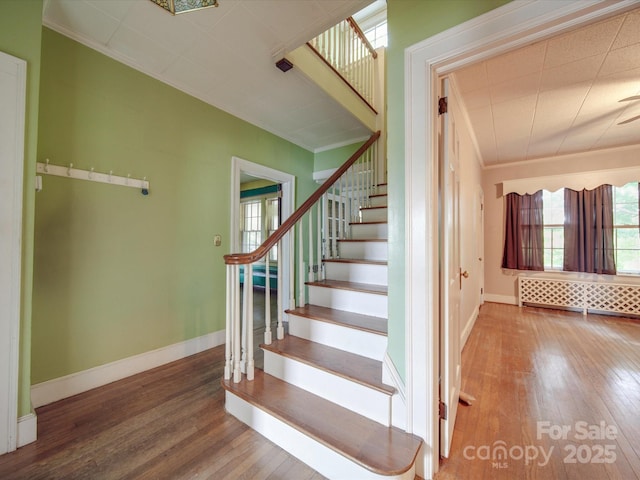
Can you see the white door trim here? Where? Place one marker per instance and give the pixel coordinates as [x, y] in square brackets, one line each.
[288, 182]
[12, 165]
[515, 24]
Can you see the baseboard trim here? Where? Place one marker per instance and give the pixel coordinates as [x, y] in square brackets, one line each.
[508, 299]
[27, 429]
[69, 385]
[469, 326]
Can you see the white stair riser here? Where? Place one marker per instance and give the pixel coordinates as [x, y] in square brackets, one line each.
[364, 250]
[374, 215]
[319, 457]
[381, 189]
[378, 201]
[366, 344]
[369, 230]
[363, 400]
[357, 272]
[349, 300]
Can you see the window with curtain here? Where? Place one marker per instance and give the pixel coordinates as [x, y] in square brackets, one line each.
[595, 230]
[523, 247]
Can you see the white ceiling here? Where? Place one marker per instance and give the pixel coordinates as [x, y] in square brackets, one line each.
[557, 96]
[224, 56]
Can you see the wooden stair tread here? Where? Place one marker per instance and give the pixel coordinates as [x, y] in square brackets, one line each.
[378, 222]
[355, 260]
[352, 286]
[362, 370]
[374, 208]
[357, 321]
[380, 449]
[379, 195]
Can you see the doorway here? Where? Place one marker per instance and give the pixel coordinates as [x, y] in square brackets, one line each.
[12, 117]
[515, 24]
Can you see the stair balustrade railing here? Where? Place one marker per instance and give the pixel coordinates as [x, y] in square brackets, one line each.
[348, 52]
[312, 233]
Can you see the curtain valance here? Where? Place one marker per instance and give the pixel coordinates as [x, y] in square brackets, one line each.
[575, 181]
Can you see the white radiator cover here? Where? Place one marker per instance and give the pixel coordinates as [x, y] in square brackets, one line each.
[599, 293]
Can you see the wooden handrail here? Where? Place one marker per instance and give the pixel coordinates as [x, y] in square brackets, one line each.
[362, 36]
[275, 237]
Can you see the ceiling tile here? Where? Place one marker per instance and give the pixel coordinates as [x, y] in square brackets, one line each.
[143, 51]
[83, 19]
[115, 8]
[581, 43]
[517, 64]
[630, 31]
[515, 88]
[566, 75]
[472, 77]
[622, 59]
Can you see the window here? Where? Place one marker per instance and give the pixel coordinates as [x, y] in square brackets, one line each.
[377, 35]
[260, 218]
[553, 215]
[626, 229]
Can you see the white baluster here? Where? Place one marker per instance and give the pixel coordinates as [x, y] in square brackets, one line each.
[301, 299]
[248, 284]
[237, 370]
[280, 327]
[267, 301]
[319, 240]
[245, 317]
[228, 325]
[312, 274]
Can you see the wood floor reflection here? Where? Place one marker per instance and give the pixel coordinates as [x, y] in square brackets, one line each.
[558, 397]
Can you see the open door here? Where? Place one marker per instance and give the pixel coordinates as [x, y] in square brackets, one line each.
[450, 274]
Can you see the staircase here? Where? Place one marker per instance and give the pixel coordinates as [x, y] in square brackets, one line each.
[321, 395]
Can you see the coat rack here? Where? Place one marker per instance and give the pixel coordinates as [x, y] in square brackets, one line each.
[92, 176]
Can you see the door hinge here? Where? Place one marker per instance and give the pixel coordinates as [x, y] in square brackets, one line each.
[442, 105]
[442, 410]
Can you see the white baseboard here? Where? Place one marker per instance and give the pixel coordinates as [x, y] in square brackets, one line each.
[63, 387]
[27, 429]
[508, 299]
[469, 326]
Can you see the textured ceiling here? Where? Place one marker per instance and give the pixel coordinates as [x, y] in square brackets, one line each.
[224, 56]
[557, 96]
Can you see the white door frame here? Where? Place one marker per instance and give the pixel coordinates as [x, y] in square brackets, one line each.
[12, 120]
[513, 25]
[288, 182]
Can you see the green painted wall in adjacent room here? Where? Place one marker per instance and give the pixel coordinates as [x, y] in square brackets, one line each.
[409, 22]
[118, 273]
[20, 36]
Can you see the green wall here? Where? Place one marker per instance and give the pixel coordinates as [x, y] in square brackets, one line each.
[118, 273]
[20, 35]
[335, 157]
[409, 22]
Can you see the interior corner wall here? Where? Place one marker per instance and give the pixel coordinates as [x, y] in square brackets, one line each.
[118, 273]
[334, 157]
[409, 22]
[20, 36]
[502, 285]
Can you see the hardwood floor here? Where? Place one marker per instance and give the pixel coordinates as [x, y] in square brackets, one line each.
[167, 423]
[533, 372]
[544, 379]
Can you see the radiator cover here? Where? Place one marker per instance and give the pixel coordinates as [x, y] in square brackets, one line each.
[596, 295]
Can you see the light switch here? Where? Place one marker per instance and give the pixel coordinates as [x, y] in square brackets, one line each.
[217, 240]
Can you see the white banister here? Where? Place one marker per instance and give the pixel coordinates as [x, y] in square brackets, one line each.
[280, 327]
[312, 273]
[301, 276]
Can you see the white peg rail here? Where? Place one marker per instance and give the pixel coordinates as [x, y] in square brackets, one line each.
[90, 175]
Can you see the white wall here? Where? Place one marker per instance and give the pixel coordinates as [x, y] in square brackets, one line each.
[470, 188]
[499, 285]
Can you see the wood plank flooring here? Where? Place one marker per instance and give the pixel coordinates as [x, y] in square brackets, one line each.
[167, 423]
[536, 372]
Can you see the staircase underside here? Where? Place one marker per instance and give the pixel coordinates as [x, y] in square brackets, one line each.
[385, 451]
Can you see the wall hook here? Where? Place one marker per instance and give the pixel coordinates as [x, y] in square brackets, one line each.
[46, 166]
[110, 173]
[69, 170]
[90, 176]
[145, 191]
